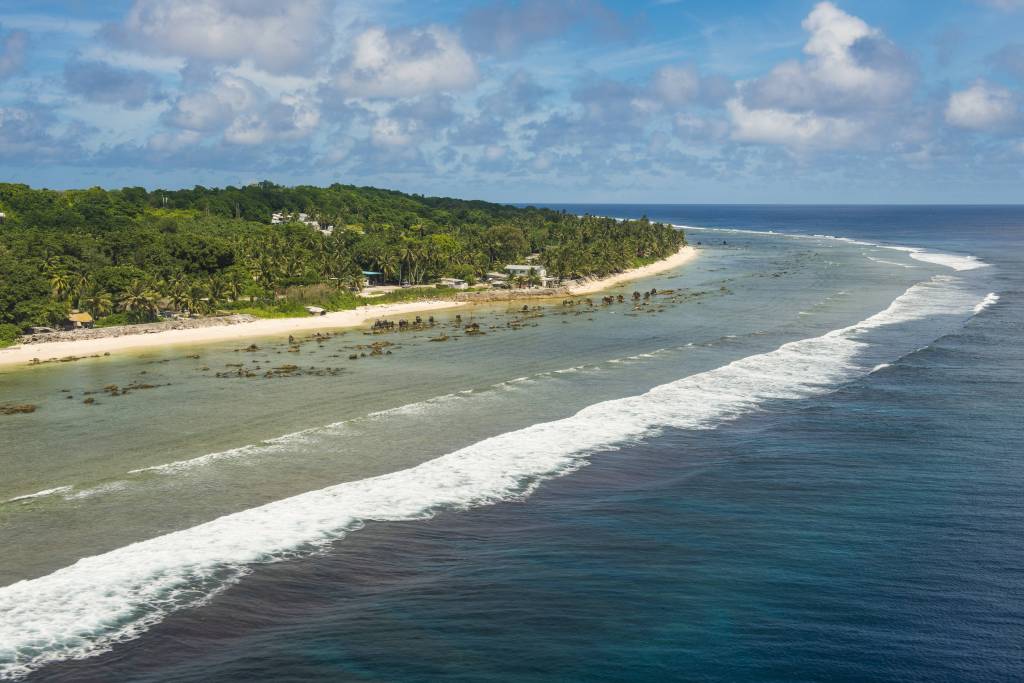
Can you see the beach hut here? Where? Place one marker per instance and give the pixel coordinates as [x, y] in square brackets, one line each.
[374, 278]
[78, 320]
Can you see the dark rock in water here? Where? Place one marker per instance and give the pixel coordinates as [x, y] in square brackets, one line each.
[17, 408]
[89, 401]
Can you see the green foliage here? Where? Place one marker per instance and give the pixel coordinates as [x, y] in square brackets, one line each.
[200, 250]
[129, 318]
[8, 334]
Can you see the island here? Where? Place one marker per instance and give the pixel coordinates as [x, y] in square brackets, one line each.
[109, 268]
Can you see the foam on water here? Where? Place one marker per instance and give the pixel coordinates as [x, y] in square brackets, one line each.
[990, 299]
[85, 608]
[39, 494]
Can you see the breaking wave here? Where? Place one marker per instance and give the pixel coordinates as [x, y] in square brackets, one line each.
[86, 608]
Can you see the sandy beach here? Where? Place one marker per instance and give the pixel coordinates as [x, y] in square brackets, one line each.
[47, 351]
[680, 258]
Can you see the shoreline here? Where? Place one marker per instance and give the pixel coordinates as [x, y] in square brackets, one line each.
[685, 254]
[45, 352]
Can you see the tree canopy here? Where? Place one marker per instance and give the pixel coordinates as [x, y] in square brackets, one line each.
[132, 251]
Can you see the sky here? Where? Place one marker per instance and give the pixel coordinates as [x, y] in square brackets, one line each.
[671, 101]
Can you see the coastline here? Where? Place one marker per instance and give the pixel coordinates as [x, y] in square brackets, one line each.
[681, 257]
[25, 354]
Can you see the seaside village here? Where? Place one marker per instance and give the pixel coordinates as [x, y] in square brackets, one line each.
[529, 275]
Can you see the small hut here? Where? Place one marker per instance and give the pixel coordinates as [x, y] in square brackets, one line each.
[78, 320]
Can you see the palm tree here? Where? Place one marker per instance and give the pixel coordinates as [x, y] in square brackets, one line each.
[78, 286]
[233, 287]
[534, 279]
[60, 283]
[217, 287]
[388, 262]
[178, 295]
[197, 299]
[138, 298]
[97, 302]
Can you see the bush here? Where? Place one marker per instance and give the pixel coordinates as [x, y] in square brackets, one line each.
[133, 318]
[8, 334]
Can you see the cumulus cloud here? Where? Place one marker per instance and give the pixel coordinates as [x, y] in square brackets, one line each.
[982, 107]
[12, 53]
[100, 82]
[849, 63]
[798, 130]
[28, 134]
[680, 84]
[848, 84]
[676, 84]
[278, 37]
[405, 63]
[242, 112]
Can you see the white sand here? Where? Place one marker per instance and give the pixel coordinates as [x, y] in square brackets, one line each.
[681, 257]
[21, 355]
[24, 354]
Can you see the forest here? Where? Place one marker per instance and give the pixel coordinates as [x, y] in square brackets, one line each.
[124, 255]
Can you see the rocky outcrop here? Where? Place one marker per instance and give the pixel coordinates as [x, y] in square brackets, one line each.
[146, 328]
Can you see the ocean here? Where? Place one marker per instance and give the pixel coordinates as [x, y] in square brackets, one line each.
[799, 461]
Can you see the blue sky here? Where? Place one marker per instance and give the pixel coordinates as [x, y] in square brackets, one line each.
[528, 100]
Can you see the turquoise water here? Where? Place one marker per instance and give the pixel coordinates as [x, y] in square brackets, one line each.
[846, 507]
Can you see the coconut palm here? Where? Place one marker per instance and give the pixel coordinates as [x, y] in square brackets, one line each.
[233, 287]
[60, 284]
[139, 297]
[97, 302]
[217, 287]
[197, 299]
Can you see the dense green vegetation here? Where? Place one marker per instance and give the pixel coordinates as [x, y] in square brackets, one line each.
[123, 255]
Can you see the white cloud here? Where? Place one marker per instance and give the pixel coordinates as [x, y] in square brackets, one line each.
[406, 63]
[245, 113]
[849, 63]
[387, 132]
[797, 130]
[279, 37]
[172, 141]
[676, 84]
[981, 107]
[849, 89]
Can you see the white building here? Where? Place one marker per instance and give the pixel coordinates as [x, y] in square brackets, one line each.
[454, 283]
[515, 270]
[279, 217]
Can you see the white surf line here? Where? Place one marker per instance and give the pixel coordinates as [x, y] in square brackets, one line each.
[86, 608]
[990, 300]
[957, 262]
[39, 494]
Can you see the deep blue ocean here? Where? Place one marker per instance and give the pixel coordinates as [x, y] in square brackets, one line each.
[873, 533]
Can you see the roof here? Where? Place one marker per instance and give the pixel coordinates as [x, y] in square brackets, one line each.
[372, 272]
[80, 318]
